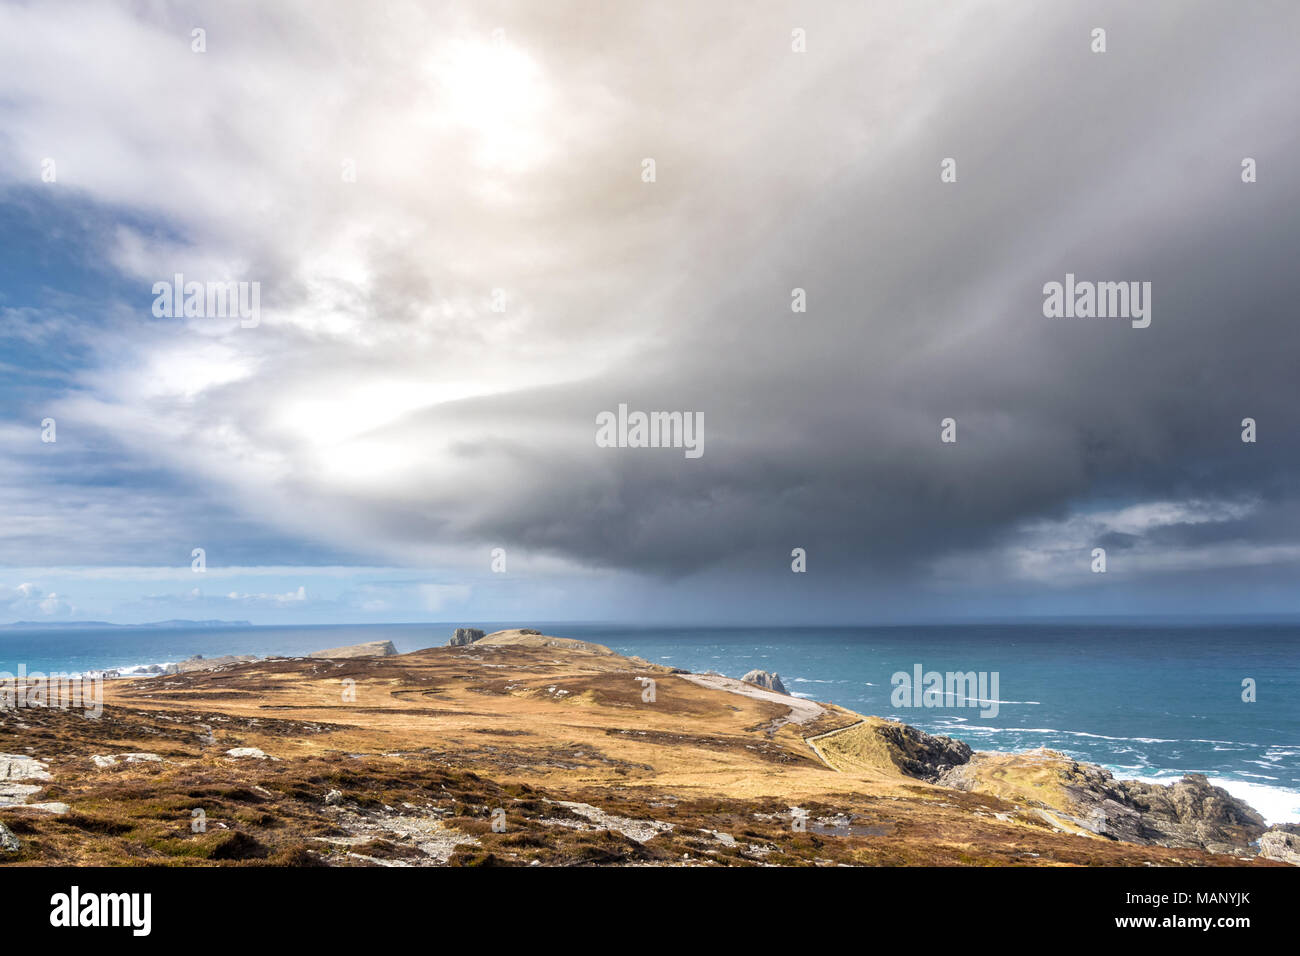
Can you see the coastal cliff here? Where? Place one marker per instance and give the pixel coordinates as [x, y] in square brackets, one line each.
[529, 749]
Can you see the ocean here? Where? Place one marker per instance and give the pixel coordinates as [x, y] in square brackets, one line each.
[1149, 702]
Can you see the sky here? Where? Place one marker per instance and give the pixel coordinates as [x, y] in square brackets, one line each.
[462, 262]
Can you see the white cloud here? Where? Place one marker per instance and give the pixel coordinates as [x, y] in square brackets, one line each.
[30, 599]
[1059, 551]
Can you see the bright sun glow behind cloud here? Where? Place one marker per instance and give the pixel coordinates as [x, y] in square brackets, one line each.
[494, 92]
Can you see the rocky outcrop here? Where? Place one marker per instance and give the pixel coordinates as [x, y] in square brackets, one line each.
[22, 767]
[104, 761]
[768, 680]
[1191, 812]
[875, 745]
[200, 663]
[368, 649]
[465, 635]
[1281, 843]
[529, 637]
[16, 767]
[8, 842]
[248, 753]
[1084, 798]
[918, 754]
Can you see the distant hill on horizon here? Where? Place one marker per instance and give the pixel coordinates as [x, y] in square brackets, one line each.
[96, 625]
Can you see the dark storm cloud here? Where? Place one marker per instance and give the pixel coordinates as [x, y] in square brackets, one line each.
[383, 409]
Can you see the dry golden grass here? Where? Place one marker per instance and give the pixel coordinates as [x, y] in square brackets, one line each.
[423, 747]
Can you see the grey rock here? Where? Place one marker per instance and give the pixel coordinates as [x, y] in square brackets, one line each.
[922, 755]
[57, 809]
[334, 797]
[769, 680]
[1190, 813]
[248, 753]
[200, 663]
[1281, 843]
[465, 635]
[22, 767]
[8, 842]
[17, 794]
[104, 761]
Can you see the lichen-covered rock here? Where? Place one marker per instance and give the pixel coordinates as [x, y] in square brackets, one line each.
[8, 842]
[768, 680]
[22, 767]
[465, 635]
[1281, 843]
[247, 753]
[104, 761]
[55, 808]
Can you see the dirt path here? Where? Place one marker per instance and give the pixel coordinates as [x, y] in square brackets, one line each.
[801, 711]
[812, 741]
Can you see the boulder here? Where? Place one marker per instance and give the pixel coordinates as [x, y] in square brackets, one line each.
[57, 809]
[17, 794]
[465, 635]
[104, 761]
[768, 680]
[248, 752]
[368, 649]
[21, 767]
[1281, 843]
[8, 842]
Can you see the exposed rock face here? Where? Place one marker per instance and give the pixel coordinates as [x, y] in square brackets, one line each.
[368, 649]
[465, 635]
[200, 663]
[769, 680]
[22, 767]
[1192, 812]
[1084, 797]
[1281, 843]
[923, 755]
[8, 842]
[15, 767]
